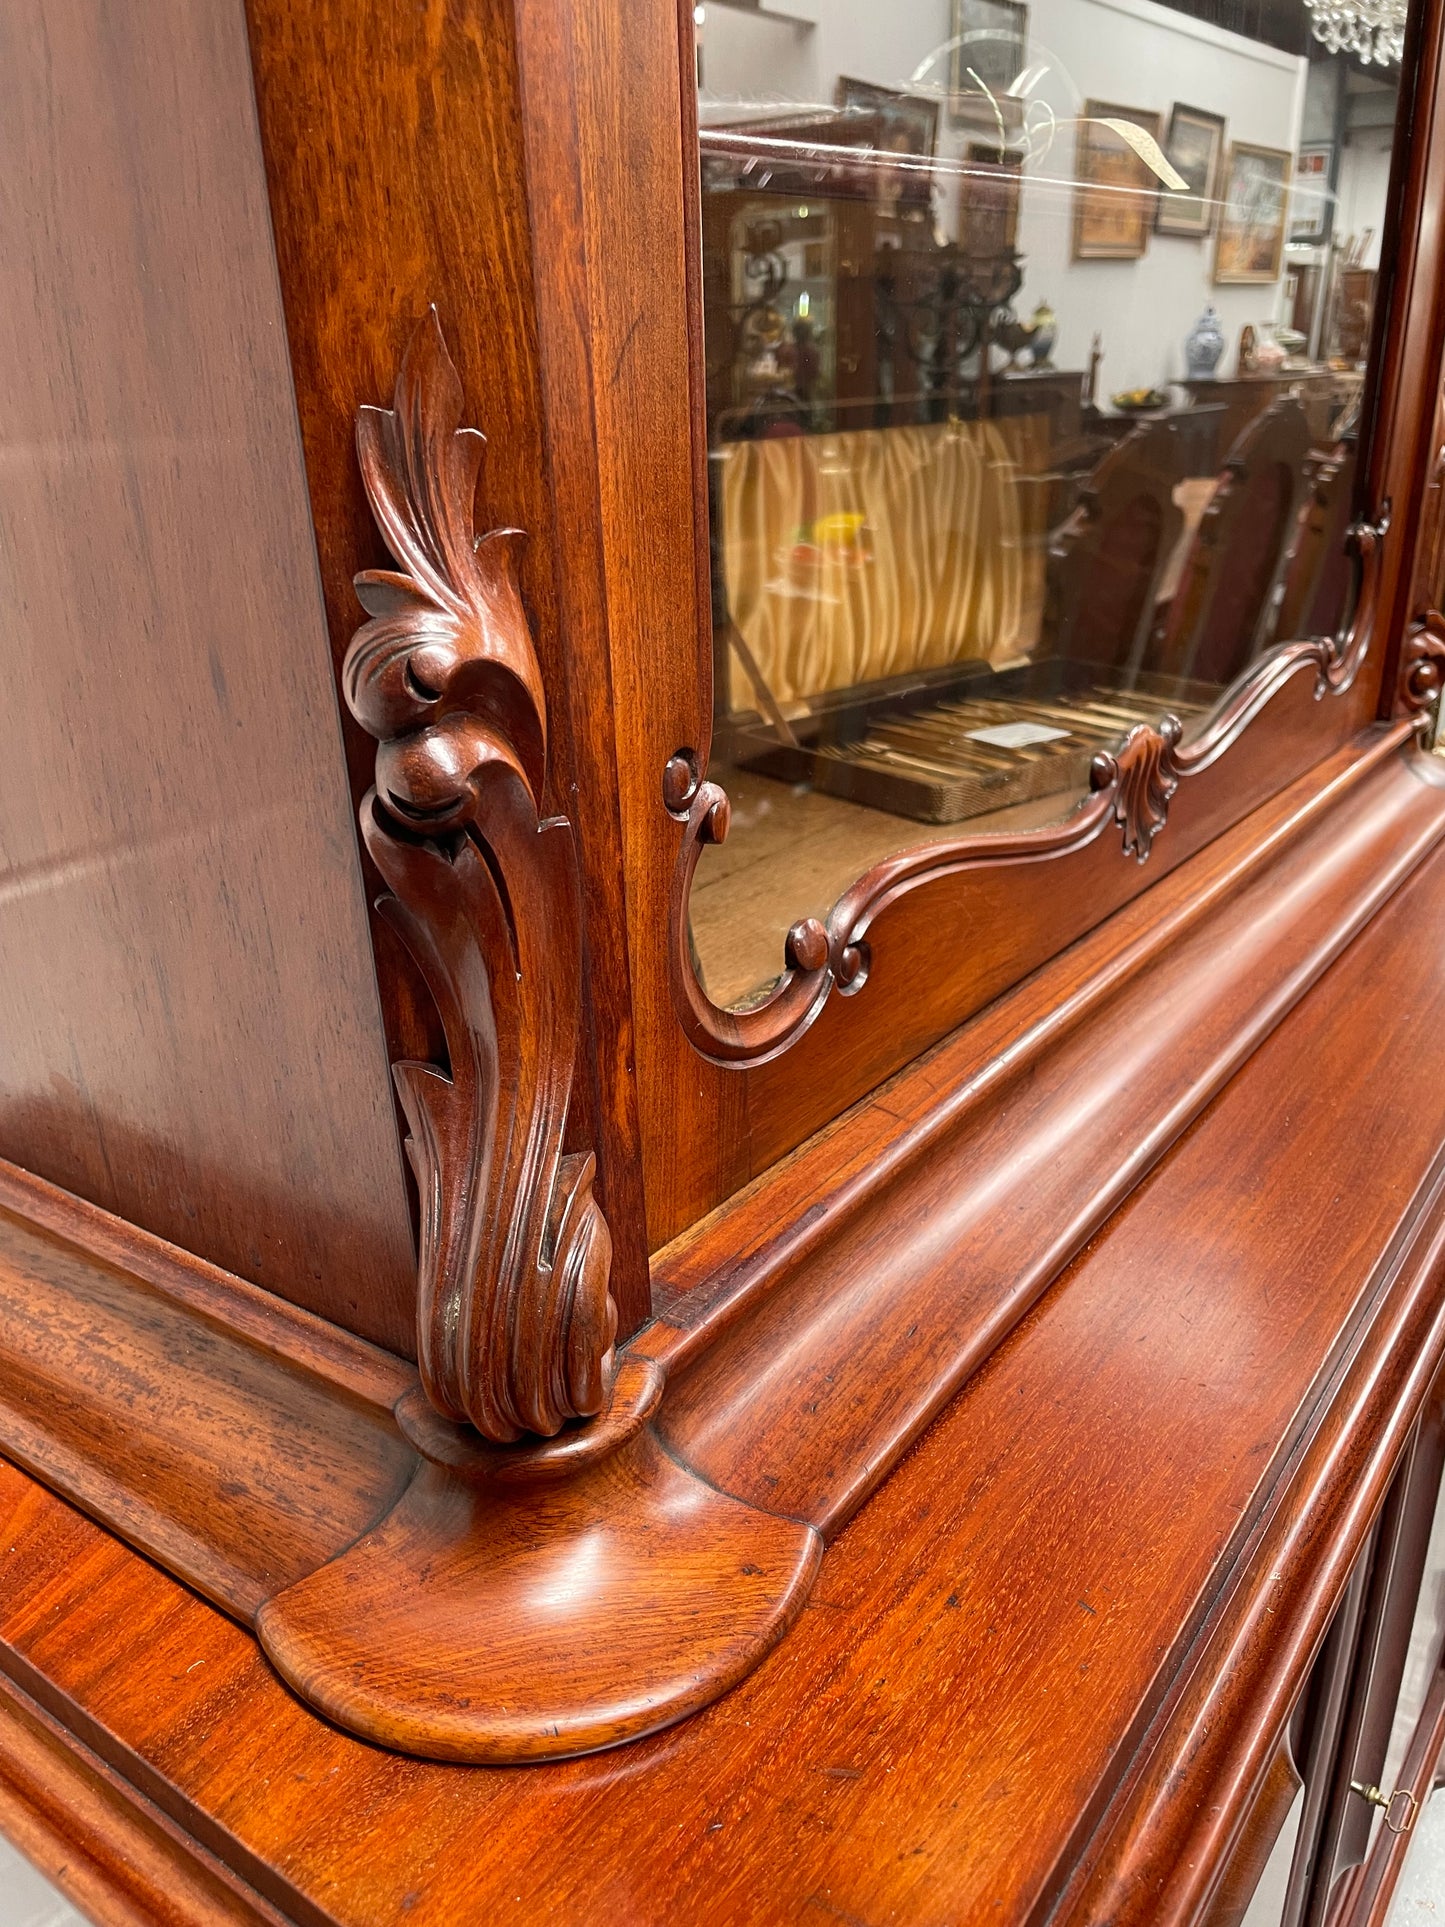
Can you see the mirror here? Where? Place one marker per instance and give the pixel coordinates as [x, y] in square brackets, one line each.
[1035, 340]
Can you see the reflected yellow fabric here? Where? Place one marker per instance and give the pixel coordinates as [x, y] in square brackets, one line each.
[856, 556]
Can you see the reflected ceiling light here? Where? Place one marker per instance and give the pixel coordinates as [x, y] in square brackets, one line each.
[1373, 30]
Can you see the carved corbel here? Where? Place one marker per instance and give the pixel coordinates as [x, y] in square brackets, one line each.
[428, 1632]
[515, 1323]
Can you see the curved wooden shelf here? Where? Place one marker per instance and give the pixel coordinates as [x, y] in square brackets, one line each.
[532, 1623]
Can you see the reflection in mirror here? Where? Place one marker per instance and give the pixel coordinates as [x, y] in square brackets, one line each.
[1035, 338]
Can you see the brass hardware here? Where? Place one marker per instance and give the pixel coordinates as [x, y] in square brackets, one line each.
[1387, 1801]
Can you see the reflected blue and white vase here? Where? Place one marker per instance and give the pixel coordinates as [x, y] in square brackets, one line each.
[1203, 346]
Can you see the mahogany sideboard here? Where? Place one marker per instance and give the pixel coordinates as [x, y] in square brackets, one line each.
[490, 1430]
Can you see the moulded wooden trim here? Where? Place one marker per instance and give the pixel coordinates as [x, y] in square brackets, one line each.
[1227, 1709]
[807, 1333]
[238, 1462]
[273, 1325]
[119, 1859]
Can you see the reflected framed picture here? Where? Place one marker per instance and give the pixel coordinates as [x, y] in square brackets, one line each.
[988, 200]
[1195, 147]
[1313, 202]
[1116, 189]
[1249, 241]
[905, 123]
[989, 43]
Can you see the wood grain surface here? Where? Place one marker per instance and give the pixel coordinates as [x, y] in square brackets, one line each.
[113, 1855]
[235, 1464]
[810, 1332]
[394, 154]
[1036, 1666]
[833, 1317]
[191, 1036]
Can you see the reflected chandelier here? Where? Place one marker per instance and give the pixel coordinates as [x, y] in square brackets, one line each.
[1374, 30]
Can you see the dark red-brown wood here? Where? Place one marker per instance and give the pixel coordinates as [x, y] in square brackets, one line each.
[401, 177]
[190, 1033]
[515, 1322]
[1050, 1661]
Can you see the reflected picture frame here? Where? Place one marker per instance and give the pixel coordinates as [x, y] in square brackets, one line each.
[1312, 207]
[1195, 148]
[1254, 203]
[991, 37]
[1114, 190]
[910, 119]
[988, 200]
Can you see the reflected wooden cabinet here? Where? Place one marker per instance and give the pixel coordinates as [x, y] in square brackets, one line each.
[723, 1121]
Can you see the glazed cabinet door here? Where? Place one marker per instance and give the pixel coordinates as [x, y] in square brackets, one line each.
[1333, 1822]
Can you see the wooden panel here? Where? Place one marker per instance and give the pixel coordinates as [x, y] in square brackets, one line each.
[109, 1852]
[138, 1390]
[190, 1032]
[394, 151]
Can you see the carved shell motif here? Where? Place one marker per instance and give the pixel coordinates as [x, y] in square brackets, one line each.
[1143, 774]
[515, 1322]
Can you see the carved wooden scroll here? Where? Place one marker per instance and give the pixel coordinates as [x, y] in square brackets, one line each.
[1422, 664]
[1132, 787]
[514, 1320]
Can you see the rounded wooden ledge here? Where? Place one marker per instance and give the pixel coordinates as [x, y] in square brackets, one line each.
[497, 1626]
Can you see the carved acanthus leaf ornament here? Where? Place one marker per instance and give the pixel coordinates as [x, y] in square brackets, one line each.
[515, 1322]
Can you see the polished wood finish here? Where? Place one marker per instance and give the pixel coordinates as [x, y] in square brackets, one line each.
[1091, 1341]
[107, 1849]
[1247, 1861]
[400, 178]
[1142, 1587]
[515, 1322]
[804, 1340]
[191, 1034]
[894, 1324]
[279, 1455]
[536, 1621]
